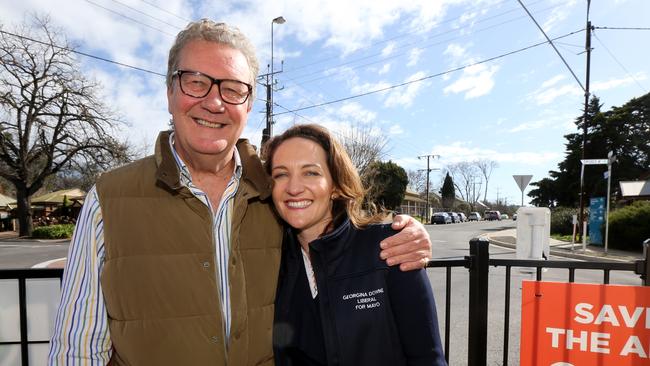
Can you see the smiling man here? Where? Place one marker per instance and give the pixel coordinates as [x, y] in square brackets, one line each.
[175, 257]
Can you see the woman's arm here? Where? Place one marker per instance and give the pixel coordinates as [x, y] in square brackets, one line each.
[415, 316]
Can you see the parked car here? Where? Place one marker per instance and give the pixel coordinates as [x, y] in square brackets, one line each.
[462, 216]
[454, 217]
[492, 215]
[504, 217]
[440, 218]
[474, 216]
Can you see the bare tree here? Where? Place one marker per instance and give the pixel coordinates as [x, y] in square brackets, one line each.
[486, 167]
[51, 116]
[417, 180]
[364, 144]
[465, 175]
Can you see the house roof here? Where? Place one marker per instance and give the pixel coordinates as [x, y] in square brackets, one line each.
[7, 202]
[412, 196]
[635, 188]
[57, 197]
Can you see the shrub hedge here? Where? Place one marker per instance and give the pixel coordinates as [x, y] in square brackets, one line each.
[63, 231]
[562, 220]
[630, 226]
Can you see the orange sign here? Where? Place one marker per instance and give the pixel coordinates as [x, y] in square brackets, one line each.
[577, 324]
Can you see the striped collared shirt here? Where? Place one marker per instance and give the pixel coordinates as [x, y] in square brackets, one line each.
[81, 335]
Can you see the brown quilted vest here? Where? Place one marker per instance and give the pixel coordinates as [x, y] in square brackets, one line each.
[158, 278]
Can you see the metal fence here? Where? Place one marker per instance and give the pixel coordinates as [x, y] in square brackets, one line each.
[26, 304]
[478, 264]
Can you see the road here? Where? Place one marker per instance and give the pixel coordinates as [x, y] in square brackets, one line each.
[21, 253]
[452, 240]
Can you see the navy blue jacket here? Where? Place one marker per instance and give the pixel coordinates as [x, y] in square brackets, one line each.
[371, 314]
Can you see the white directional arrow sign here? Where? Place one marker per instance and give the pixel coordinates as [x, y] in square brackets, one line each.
[522, 182]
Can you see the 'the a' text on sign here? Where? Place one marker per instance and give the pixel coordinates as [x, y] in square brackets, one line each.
[584, 324]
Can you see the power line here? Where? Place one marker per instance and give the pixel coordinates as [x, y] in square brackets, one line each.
[414, 32]
[146, 14]
[406, 45]
[429, 76]
[165, 11]
[623, 28]
[83, 53]
[129, 18]
[395, 55]
[552, 45]
[619, 63]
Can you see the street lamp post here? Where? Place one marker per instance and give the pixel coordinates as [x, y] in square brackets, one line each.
[270, 82]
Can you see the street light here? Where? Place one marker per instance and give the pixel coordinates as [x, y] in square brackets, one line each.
[269, 125]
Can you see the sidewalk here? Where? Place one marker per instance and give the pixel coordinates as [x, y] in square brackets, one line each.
[508, 239]
[4, 235]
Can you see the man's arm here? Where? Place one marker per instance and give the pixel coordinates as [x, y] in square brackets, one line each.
[410, 248]
[81, 330]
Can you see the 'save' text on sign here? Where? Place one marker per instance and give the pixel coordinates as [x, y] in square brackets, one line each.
[584, 324]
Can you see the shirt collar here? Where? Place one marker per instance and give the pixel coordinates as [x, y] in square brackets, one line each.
[186, 177]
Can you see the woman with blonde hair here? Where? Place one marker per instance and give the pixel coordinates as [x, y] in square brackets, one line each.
[337, 302]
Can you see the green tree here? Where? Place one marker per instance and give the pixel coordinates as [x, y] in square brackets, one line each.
[623, 130]
[448, 192]
[386, 183]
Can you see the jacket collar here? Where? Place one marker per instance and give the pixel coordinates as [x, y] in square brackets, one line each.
[253, 173]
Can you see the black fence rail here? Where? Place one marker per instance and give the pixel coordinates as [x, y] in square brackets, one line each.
[478, 264]
[22, 275]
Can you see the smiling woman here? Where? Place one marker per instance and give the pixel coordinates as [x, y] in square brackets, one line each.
[324, 308]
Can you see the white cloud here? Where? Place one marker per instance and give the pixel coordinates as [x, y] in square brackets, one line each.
[395, 130]
[368, 87]
[550, 90]
[544, 96]
[384, 69]
[414, 56]
[558, 14]
[388, 50]
[356, 112]
[614, 83]
[460, 151]
[552, 81]
[456, 51]
[404, 95]
[476, 81]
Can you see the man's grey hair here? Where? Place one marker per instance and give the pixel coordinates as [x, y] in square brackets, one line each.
[221, 33]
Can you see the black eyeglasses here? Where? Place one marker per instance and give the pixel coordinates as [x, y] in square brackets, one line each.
[198, 85]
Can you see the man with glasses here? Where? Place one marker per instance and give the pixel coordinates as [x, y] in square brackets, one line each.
[175, 257]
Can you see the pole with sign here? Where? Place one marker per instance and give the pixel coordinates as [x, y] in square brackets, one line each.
[610, 159]
[522, 182]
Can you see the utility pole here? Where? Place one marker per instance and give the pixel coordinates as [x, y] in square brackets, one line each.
[498, 189]
[474, 183]
[585, 122]
[267, 131]
[269, 85]
[426, 217]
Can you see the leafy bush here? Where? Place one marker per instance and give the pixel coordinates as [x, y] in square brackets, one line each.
[53, 231]
[630, 226]
[562, 220]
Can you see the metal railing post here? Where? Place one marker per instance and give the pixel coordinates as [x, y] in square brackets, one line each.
[478, 302]
[646, 251]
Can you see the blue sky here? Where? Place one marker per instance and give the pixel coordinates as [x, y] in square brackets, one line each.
[514, 109]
